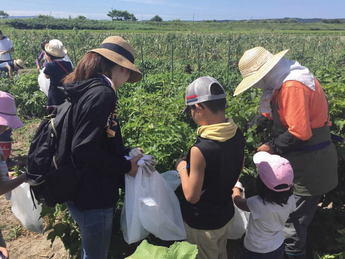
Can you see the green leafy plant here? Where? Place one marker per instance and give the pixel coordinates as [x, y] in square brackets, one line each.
[150, 111]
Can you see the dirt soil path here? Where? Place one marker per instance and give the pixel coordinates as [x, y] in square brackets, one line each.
[23, 244]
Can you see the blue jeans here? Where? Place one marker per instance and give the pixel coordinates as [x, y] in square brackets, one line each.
[276, 254]
[95, 230]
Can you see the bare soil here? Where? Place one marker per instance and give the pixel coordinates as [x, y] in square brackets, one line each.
[21, 243]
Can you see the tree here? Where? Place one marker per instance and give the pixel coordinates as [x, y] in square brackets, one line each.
[156, 18]
[45, 17]
[119, 15]
[3, 14]
[81, 17]
[114, 14]
[132, 17]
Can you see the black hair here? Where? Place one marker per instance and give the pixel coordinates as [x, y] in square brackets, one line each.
[51, 56]
[90, 65]
[43, 44]
[215, 105]
[0, 32]
[268, 195]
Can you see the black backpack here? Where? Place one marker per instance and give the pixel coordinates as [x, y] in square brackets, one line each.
[52, 174]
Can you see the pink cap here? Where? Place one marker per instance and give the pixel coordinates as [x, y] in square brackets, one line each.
[8, 111]
[274, 170]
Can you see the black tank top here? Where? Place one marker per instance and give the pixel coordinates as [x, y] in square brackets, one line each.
[224, 161]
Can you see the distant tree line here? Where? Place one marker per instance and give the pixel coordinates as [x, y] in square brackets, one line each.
[118, 15]
[49, 22]
[156, 18]
[80, 22]
[333, 21]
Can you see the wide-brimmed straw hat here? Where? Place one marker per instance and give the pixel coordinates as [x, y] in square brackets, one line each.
[55, 48]
[254, 65]
[118, 50]
[19, 63]
[8, 111]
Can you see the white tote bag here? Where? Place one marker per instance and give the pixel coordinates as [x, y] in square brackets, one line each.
[43, 82]
[24, 210]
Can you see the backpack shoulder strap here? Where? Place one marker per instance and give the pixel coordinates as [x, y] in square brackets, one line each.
[63, 68]
[63, 121]
[63, 110]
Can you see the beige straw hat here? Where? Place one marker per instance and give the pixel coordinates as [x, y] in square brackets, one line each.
[19, 63]
[118, 50]
[254, 65]
[55, 48]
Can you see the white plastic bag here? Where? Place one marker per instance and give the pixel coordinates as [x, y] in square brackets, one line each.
[150, 206]
[131, 227]
[239, 222]
[24, 210]
[172, 178]
[43, 82]
[160, 212]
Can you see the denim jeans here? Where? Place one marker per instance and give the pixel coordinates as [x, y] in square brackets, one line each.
[276, 254]
[95, 230]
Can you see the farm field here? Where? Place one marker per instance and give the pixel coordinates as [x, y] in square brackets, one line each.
[150, 110]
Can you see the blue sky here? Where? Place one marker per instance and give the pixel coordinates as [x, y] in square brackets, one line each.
[180, 9]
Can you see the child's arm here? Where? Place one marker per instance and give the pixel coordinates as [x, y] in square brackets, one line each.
[238, 200]
[9, 185]
[192, 183]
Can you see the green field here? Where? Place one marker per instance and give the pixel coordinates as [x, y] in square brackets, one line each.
[150, 110]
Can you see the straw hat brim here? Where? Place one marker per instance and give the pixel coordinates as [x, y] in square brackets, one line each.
[56, 53]
[135, 75]
[19, 63]
[251, 80]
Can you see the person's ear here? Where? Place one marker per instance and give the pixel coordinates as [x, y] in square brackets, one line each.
[199, 106]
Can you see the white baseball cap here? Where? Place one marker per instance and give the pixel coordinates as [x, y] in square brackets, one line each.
[200, 91]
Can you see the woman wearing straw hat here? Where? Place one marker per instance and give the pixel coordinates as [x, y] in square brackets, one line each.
[293, 98]
[56, 69]
[97, 146]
